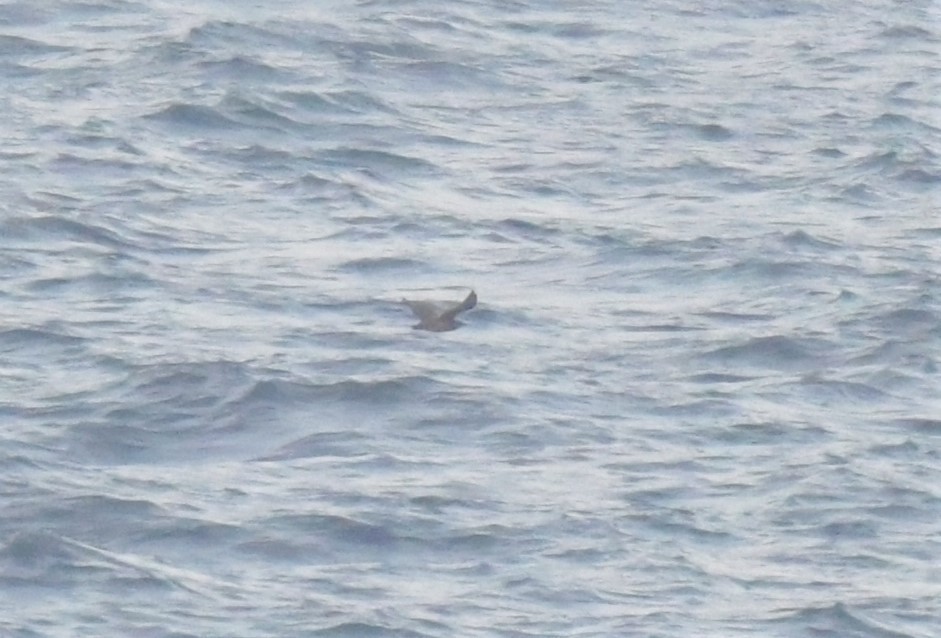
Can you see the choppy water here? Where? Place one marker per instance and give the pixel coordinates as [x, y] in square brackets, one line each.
[699, 396]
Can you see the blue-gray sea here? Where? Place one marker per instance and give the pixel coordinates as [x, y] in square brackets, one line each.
[699, 395]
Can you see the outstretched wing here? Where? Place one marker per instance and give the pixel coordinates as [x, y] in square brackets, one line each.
[467, 304]
[424, 310]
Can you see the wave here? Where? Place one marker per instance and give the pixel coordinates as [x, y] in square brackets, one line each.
[193, 116]
[43, 229]
[56, 561]
[773, 352]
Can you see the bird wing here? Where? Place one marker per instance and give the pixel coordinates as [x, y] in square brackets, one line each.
[424, 310]
[469, 302]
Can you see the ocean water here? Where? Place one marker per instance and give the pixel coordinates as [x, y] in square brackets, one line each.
[699, 395]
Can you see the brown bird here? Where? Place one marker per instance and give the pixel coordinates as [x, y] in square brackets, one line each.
[440, 316]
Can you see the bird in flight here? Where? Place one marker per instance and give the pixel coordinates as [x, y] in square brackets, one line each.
[440, 316]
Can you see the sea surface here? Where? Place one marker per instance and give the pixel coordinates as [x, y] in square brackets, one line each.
[700, 394]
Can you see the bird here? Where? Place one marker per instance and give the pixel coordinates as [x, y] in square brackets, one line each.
[438, 316]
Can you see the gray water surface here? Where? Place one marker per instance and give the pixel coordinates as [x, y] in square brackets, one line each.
[698, 396]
